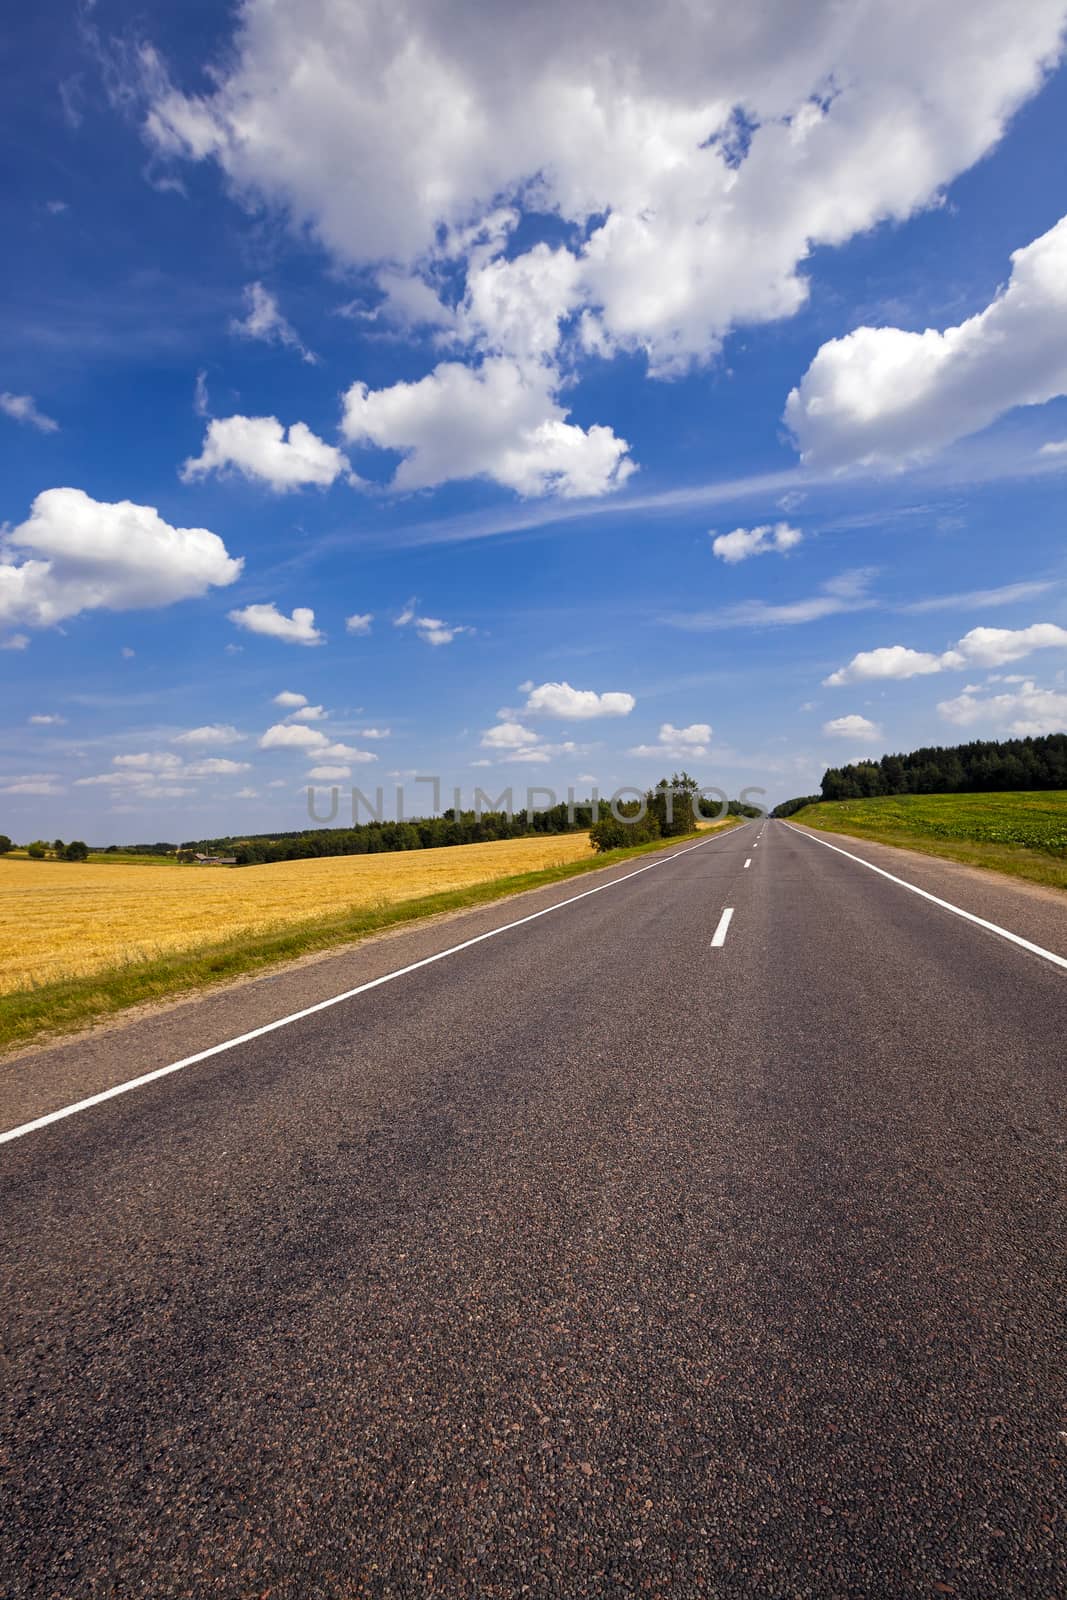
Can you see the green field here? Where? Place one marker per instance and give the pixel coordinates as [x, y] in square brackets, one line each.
[1023, 833]
[107, 858]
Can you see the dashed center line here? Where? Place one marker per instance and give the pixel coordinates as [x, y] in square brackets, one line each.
[748, 863]
[718, 938]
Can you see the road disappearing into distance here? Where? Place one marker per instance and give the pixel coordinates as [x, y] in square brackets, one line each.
[700, 1232]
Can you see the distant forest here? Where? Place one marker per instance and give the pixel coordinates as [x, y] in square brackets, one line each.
[984, 764]
[467, 827]
[420, 833]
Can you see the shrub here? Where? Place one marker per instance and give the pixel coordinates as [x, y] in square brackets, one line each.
[612, 834]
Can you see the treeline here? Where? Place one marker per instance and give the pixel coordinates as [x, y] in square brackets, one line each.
[420, 833]
[787, 807]
[162, 847]
[469, 827]
[984, 764]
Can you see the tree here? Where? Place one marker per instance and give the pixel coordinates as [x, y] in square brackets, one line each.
[5, 844]
[58, 847]
[671, 802]
[76, 850]
[37, 850]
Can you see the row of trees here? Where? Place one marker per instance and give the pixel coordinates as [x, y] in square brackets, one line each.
[662, 817]
[76, 850]
[420, 833]
[786, 807]
[984, 764]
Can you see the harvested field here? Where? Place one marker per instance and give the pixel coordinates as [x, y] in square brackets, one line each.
[63, 920]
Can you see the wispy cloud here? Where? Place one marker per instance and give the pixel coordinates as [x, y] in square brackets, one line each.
[431, 630]
[1006, 595]
[23, 408]
[847, 592]
[264, 321]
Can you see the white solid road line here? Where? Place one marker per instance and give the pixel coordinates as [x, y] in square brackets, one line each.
[718, 938]
[946, 905]
[338, 999]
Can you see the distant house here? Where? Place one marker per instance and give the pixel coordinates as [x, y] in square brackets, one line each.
[213, 861]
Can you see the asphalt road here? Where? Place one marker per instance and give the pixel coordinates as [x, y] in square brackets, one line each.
[593, 1259]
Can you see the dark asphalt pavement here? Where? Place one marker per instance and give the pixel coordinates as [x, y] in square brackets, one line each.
[589, 1261]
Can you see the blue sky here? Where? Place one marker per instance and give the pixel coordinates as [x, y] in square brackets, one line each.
[481, 330]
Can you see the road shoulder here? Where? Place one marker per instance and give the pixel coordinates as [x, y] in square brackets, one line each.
[1028, 909]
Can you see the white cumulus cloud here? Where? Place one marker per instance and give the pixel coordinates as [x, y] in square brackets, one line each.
[994, 647]
[359, 622]
[211, 733]
[745, 542]
[292, 736]
[268, 620]
[508, 736]
[981, 647]
[694, 740]
[500, 420]
[32, 783]
[260, 448]
[214, 766]
[346, 752]
[887, 661]
[1026, 711]
[86, 555]
[700, 152]
[852, 727]
[560, 700]
[885, 395]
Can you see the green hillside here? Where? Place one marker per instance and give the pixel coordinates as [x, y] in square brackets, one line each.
[1024, 832]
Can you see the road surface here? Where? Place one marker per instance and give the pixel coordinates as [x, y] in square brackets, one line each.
[632, 1250]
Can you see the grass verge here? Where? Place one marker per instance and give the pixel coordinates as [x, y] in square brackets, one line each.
[1021, 835]
[100, 858]
[52, 1009]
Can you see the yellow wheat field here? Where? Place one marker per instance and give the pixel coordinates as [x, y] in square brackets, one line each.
[60, 919]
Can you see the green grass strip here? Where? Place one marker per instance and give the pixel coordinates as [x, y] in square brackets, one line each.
[1033, 865]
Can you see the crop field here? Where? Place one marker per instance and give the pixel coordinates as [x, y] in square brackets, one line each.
[1022, 832]
[61, 920]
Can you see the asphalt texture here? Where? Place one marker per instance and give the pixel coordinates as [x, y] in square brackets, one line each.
[588, 1261]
